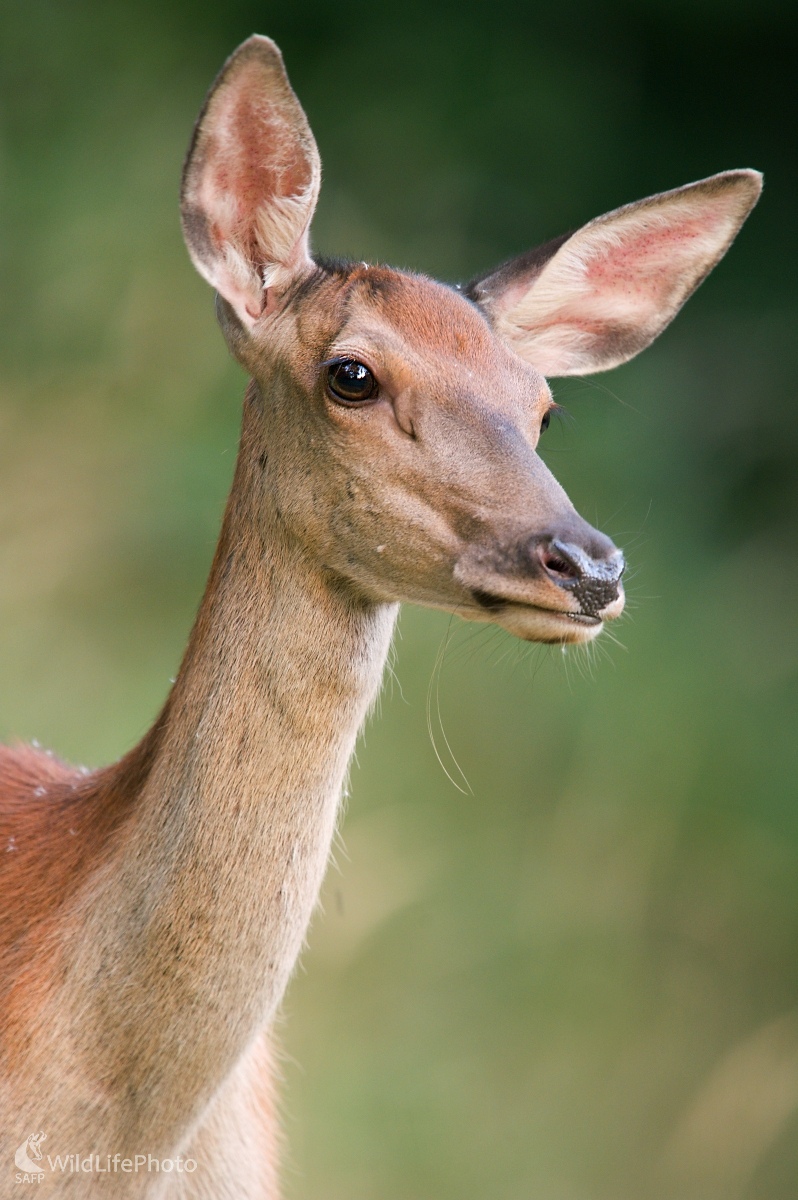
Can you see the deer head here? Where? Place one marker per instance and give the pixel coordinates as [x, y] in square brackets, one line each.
[397, 418]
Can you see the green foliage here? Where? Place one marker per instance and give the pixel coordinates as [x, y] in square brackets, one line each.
[577, 981]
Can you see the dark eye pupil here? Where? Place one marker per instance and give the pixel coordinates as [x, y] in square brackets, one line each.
[351, 381]
[544, 424]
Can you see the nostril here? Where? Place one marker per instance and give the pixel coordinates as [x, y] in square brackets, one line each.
[558, 566]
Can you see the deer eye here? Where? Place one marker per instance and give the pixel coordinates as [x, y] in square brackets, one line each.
[544, 424]
[350, 381]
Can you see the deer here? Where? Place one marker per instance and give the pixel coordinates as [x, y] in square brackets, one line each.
[153, 910]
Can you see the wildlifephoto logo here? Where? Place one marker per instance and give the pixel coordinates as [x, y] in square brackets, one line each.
[33, 1165]
[29, 1156]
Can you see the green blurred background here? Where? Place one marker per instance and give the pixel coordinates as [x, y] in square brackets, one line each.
[578, 981]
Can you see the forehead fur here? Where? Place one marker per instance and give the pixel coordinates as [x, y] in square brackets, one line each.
[422, 311]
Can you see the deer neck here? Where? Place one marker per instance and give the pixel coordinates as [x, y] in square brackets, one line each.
[214, 887]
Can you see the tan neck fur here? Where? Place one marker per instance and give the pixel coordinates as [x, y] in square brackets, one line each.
[206, 902]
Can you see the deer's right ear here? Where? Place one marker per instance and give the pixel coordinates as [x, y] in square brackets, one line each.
[250, 182]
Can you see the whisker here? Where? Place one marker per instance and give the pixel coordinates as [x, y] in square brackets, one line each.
[434, 685]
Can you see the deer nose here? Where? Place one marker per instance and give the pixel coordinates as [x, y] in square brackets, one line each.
[593, 579]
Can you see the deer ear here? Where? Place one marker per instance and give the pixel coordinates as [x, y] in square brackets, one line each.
[593, 299]
[250, 182]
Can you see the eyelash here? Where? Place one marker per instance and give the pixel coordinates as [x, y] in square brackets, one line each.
[556, 410]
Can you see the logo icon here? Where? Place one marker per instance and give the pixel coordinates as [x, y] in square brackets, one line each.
[30, 1150]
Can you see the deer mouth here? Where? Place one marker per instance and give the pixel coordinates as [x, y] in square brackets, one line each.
[579, 618]
[494, 604]
[536, 622]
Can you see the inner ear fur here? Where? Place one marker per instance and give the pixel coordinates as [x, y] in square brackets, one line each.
[250, 182]
[592, 299]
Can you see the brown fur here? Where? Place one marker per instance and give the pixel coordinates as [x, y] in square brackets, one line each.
[56, 826]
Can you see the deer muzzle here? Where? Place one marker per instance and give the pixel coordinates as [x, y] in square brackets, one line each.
[558, 586]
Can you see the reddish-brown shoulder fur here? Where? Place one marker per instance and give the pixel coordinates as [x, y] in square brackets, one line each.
[57, 824]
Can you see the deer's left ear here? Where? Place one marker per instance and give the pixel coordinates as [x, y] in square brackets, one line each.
[593, 299]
